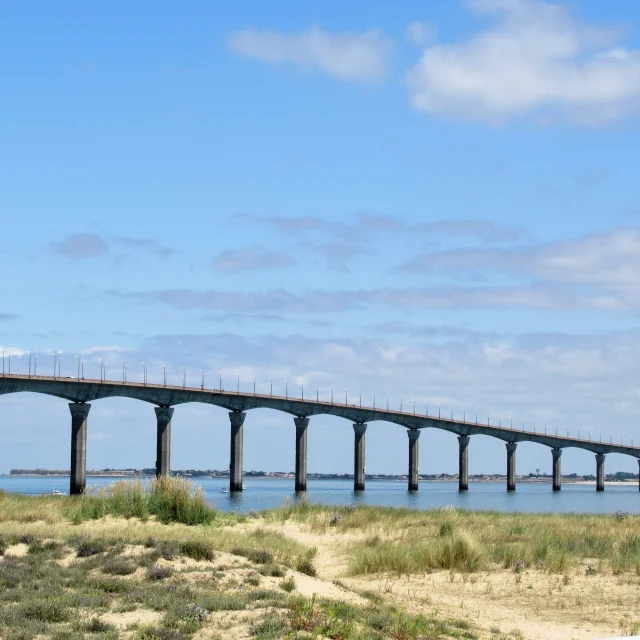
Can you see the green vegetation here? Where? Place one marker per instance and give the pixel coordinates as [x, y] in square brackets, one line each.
[169, 499]
[77, 567]
[331, 619]
[405, 541]
[41, 597]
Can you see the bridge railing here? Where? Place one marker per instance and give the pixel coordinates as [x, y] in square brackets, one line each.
[328, 397]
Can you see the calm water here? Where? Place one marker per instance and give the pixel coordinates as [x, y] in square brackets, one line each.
[264, 493]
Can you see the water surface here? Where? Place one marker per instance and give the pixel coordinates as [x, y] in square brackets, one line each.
[266, 493]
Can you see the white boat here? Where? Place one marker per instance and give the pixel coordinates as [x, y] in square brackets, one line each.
[224, 490]
[244, 487]
[55, 492]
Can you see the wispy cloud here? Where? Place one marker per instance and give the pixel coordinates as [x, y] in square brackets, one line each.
[608, 259]
[251, 259]
[85, 246]
[421, 33]
[359, 57]
[542, 295]
[365, 226]
[144, 244]
[535, 60]
[81, 246]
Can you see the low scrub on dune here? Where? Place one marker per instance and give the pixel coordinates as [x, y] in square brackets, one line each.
[408, 540]
[169, 499]
[458, 552]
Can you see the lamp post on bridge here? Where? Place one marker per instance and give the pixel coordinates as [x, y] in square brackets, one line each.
[35, 365]
[238, 385]
[184, 378]
[202, 379]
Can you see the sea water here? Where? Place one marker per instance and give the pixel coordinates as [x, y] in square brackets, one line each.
[266, 493]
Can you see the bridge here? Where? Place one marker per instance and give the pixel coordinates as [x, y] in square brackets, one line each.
[80, 392]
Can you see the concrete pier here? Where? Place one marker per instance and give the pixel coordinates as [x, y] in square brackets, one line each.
[511, 465]
[463, 463]
[359, 430]
[235, 462]
[301, 453]
[413, 434]
[163, 441]
[78, 479]
[557, 473]
[599, 471]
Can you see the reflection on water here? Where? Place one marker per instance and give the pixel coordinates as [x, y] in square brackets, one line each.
[265, 493]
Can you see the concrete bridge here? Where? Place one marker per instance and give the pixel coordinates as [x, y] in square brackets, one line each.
[80, 392]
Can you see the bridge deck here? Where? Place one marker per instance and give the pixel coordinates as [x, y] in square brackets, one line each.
[88, 390]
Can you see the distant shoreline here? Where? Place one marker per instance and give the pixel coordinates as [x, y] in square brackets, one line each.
[454, 479]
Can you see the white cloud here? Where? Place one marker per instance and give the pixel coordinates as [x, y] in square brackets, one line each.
[536, 60]
[347, 56]
[421, 33]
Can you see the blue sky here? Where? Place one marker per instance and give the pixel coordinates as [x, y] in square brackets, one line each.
[433, 201]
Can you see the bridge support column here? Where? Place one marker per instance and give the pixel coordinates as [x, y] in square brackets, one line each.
[413, 434]
[557, 474]
[511, 466]
[235, 462]
[463, 463]
[301, 453]
[599, 471]
[78, 479]
[163, 441]
[359, 430]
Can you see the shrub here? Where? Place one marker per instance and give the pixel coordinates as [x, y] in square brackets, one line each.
[176, 500]
[197, 550]
[170, 499]
[119, 567]
[88, 548]
[158, 573]
[259, 556]
[458, 551]
[95, 625]
[166, 549]
[45, 610]
[152, 633]
[288, 584]
[272, 570]
[304, 565]
[253, 579]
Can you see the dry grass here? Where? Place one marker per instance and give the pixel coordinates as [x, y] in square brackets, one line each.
[409, 541]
